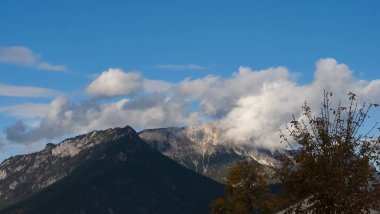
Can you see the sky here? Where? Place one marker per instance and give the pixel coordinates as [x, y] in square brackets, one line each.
[68, 67]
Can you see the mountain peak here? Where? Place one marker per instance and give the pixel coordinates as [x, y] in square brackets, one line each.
[72, 146]
[23, 175]
[203, 149]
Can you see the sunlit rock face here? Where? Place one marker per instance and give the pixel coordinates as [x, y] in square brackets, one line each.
[24, 175]
[203, 149]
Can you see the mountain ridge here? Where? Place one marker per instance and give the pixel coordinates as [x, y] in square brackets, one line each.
[27, 174]
[203, 148]
[107, 166]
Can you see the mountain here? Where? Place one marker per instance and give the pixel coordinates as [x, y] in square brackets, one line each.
[110, 171]
[203, 149]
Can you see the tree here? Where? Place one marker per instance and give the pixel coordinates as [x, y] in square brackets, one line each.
[246, 190]
[334, 168]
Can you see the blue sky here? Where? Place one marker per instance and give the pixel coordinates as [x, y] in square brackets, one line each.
[62, 47]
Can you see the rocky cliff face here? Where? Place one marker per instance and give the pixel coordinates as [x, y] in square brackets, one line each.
[203, 149]
[24, 175]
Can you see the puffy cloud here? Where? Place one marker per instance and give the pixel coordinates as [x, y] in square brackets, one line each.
[194, 89]
[219, 95]
[23, 91]
[115, 82]
[251, 106]
[23, 56]
[53, 124]
[257, 118]
[220, 99]
[370, 90]
[63, 118]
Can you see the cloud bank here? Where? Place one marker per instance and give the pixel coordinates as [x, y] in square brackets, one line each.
[249, 106]
[23, 56]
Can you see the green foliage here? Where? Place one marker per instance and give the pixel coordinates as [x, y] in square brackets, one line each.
[334, 168]
[246, 190]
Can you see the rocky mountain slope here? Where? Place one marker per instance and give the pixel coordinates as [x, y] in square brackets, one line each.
[203, 149]
[24, 175]
[111, 171]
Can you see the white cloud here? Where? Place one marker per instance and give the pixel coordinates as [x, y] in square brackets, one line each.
[23, 56]
[25, 91]
[194, 89]
[191, 67]
[370, 91]
[64, 118]
[156, 85]
[258, 117]
[219, 95]
[220, 100]
[251, 106]
[26, 110]
[115, 82]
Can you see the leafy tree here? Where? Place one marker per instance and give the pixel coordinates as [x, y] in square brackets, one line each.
[335, 166]
[246, 190]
